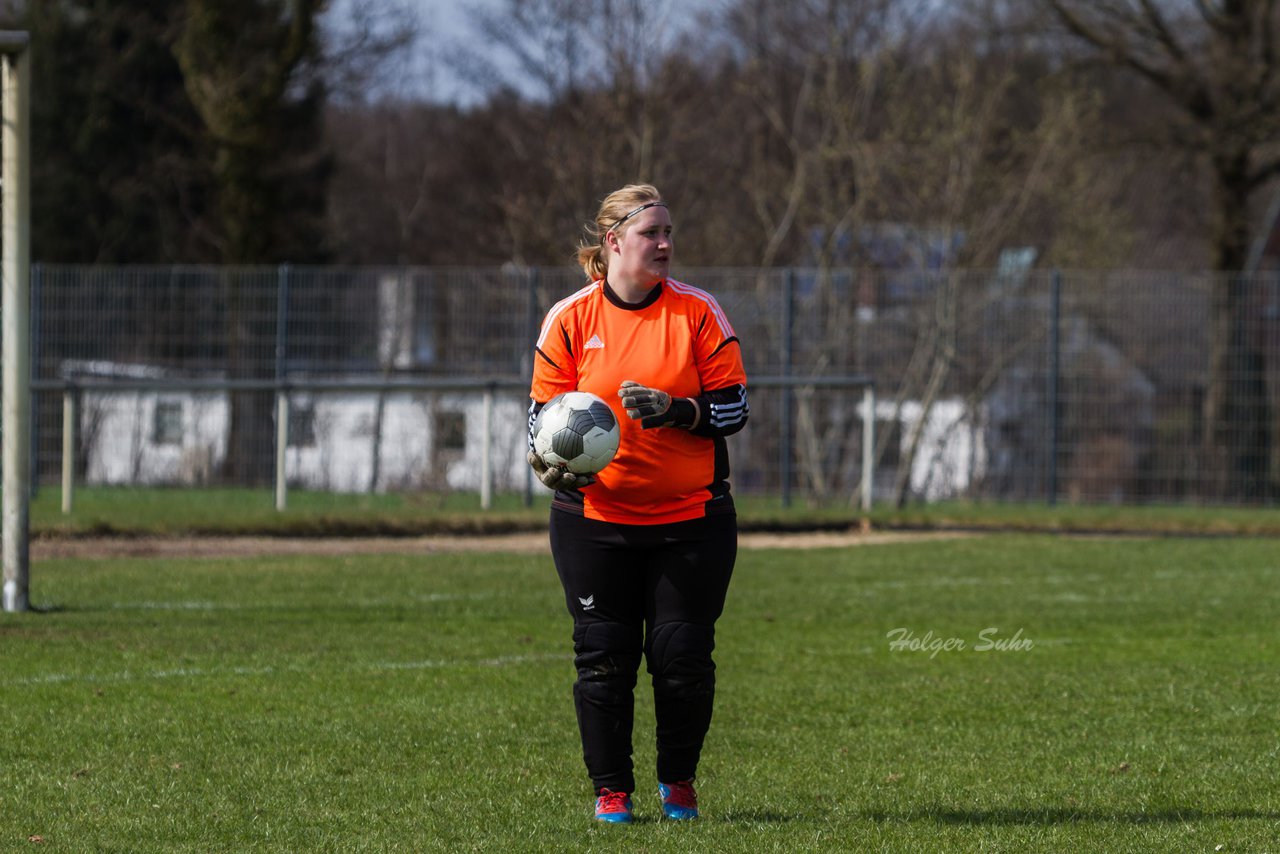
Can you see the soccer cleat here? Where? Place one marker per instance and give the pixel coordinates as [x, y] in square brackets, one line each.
[679, 800]
[613, 807]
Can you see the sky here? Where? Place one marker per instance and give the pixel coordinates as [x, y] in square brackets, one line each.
[423, 71]
[445, 26]
[431, 70]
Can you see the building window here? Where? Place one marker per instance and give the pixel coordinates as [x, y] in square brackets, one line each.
[166, 428]
[302, 424]
[451, 431]
[889, 435]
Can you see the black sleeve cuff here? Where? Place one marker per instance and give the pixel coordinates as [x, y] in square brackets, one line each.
[683, 413]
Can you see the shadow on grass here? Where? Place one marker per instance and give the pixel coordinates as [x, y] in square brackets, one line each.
[46, 608]
[1052, 816]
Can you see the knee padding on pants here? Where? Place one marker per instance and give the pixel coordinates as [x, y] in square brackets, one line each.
[679, 657]
[607, 657]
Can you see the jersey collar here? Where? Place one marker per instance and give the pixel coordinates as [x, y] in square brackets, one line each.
[649, 299]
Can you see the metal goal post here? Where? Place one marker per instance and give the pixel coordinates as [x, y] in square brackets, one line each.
[15, 270]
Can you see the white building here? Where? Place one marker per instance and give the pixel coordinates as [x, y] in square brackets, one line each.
[428, 440]
[952, 453]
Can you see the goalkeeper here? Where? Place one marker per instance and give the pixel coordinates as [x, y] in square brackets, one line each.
[644, 549]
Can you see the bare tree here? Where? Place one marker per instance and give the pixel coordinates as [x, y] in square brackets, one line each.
[1217, 64]
[809, 82]
[249, 69]
[369, 48]
[586, 117]
[863, 115]
[959, 159]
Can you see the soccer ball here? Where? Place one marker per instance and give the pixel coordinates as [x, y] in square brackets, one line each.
[576, 430]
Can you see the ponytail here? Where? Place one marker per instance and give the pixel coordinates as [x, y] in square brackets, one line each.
[593, 261]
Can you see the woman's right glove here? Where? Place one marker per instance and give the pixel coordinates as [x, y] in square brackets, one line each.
[558, 477]
[653, 407]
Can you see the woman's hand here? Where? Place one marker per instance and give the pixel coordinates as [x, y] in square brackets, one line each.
[655, 408]
[558, 477]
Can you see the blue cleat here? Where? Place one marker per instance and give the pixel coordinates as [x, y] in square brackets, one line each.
[613, 807]
[679, 800]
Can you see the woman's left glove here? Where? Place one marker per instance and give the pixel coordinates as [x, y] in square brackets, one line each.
[558, 477]
[655, 408]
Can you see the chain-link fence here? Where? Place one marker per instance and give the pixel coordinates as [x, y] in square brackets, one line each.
[1112, 387]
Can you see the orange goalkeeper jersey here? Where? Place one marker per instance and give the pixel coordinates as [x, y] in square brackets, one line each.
[677, 340]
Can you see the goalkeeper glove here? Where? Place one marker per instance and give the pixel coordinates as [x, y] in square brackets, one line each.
[655, 408]
[558, 477]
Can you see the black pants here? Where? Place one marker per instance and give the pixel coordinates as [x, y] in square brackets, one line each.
[656, 589]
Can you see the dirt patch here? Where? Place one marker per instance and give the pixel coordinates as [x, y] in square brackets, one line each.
[524, 543]
[831, 539]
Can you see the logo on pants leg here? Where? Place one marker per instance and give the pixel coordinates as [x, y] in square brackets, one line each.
[588, 603]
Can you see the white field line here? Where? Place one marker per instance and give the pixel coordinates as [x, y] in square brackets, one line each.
[363, 603]
[213, 672]
[936, 581]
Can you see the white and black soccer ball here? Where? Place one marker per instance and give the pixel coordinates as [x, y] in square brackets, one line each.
[576, 430]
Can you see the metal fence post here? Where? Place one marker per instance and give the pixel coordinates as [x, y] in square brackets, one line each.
[70, 418]
[532, 325]
[868, 446]
[282, 394]
[486, 451]
[1055, 316]
[35, 372]
[282, 446]
[784, 406]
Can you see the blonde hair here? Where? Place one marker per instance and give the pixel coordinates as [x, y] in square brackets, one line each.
[616, 207]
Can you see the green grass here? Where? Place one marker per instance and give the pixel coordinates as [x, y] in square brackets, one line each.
[1109, 518]
[406, 703]
[219, 511]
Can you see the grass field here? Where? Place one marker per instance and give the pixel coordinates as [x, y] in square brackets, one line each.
[405, 703]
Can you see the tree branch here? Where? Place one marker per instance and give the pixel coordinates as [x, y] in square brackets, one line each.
[1162, 33]
[1211, 16]
[1114, 47]
[1268, 47]
[1180, 83]
[1264, 173]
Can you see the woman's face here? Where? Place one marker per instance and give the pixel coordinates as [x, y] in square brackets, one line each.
[641, 254]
